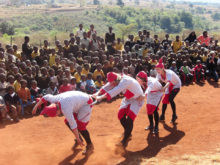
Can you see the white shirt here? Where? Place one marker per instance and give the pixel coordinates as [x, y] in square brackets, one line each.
[70, 102]
[79, 33]
[170, 77]
[153, 85]
[128, 86]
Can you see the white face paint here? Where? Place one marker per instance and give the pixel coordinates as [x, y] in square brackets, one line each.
[159, 70]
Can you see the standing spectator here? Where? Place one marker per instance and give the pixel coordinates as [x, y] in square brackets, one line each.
[79, 33]
[85, 41]
[26, 48]
[191, 37]
[91, 31]
[204, 39]
[109, 40]
[177, 44]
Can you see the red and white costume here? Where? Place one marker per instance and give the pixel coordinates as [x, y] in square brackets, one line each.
[153, 94]
[131, 90]
[75, 106]
[174, 80]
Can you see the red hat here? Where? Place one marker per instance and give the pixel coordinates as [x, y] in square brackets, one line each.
[143, 75]
[111, 76]
[160, 64]
[50, 110]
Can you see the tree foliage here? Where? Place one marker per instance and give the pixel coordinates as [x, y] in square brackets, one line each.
[7, 28]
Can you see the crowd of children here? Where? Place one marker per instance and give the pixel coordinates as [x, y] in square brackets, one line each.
[83, 61]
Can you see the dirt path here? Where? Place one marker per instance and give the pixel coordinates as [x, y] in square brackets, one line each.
[47, 141]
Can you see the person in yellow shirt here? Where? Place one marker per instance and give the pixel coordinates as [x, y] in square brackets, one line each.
[118, 45]
[34, 54]
[15, 52]
[85, 69]
[78, 74]
[153, 60]
[99, 83]
[177, 44]
[52, 58]
[17, 84]
[98, 71]
[138, 36]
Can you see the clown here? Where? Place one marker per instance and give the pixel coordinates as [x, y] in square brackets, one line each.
[130, 104]
[171, 88]
[76, 106]
[153, 94]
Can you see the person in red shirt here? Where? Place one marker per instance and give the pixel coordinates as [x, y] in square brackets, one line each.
[65, 86]
[198, 71]
[204, 39]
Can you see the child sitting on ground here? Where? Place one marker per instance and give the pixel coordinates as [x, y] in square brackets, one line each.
[12, 103]
[90, 85]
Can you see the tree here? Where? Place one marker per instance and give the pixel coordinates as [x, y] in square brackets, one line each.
[187, 19]
[96, 2]
[120, 3]
[165, 23]
[216, 16]
[7, 28]
[125, 29]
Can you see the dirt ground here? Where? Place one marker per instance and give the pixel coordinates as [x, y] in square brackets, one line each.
[47, 141]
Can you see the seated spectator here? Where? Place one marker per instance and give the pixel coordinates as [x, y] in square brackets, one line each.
[153, 72]
[90, 85]
[3, 110]
[3, 84]
[186, 73]
[12, 103]
[212, 66]
[98, 71]
[17, 83]
[25, 96]
[11, 80]
[99, 83]
[77, 75]
[199, 72]
[83, 83]
[36, 92]
[174, 68]
[73, 83]
[65, 86]
[52, 89]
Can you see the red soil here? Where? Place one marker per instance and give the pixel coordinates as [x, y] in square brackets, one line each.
[47, 141]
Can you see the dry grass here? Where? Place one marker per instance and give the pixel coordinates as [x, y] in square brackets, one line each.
[200, 159]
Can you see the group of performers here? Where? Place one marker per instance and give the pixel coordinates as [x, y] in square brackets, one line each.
[76, 106]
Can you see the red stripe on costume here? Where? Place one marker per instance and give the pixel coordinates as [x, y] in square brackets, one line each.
[102, 91]
[166, 97]
[128, 94]
[150, 109]
[108, 96]
[43, 100]
[127, 112]
[90, 101]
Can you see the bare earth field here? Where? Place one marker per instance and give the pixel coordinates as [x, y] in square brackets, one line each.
[194, 140]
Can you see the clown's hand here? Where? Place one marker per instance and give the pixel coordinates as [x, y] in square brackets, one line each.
[99, 98]
[141, 98]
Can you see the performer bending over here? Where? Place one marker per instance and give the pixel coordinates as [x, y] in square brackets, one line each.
[76, 107]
